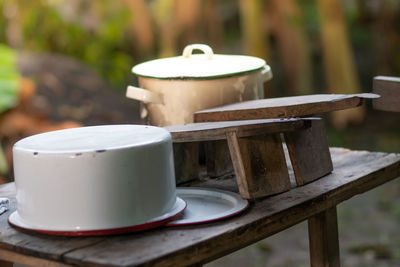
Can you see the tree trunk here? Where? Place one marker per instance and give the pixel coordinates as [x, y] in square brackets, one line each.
[255, 40]
[141, 24]
[214, 26]
[188, 14]
[164, 14]
[340, 69]
[254, 36]
[294, 50]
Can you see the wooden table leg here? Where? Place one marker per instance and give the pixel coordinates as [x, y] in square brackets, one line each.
[323, 237]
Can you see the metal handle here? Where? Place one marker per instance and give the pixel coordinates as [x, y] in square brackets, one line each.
[187, 52]
[266, 73]
[143, 95]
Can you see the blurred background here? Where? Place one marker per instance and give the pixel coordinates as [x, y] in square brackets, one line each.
[67, 63]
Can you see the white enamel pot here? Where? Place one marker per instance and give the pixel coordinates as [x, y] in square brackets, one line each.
[95, 178]
[174, 88]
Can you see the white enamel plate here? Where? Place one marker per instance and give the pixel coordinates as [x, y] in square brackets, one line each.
[207, 205]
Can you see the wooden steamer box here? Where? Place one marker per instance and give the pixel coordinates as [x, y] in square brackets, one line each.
[254, 148]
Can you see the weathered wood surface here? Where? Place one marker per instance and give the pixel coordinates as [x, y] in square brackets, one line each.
[238, 164]
[282, 107]
[324, 239]
[186, 161]
[12, 257]
[211, 131]
[218, 160]
[255, 150]
[389, 90]
[354, 172]
[309, 153]
[260, 165]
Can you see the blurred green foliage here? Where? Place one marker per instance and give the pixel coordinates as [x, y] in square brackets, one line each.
[9, 78]
[94, 33]
[9, 88]
[101, 33]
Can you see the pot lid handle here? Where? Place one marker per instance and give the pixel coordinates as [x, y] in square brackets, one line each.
[187, 52]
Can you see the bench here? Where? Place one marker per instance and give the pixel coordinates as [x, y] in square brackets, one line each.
[354, 172]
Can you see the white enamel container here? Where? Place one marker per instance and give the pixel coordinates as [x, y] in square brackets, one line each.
[97, 177]
[174, 88]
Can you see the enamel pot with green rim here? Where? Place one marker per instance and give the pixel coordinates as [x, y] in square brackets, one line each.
[174, 88]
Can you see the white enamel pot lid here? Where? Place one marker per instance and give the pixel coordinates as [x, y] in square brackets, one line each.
[199, 66]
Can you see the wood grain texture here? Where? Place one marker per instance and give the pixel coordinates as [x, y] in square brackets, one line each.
[238, 164]
[6, 263]
[210, 131]
[218, 160]
[324, 239]
[186, 161]
[354, 172]
[259, 163]
[264, 165]
[309, 153]
[12, 257]
[281, 107]
[389, 90]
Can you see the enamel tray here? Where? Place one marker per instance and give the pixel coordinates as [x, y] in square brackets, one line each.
[207, 205]
[178, 208]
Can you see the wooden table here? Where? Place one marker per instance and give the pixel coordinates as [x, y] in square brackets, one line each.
[354, 172]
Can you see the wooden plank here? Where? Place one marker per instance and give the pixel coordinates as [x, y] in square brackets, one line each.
[186, 160]
[218, 160]
[194, 132]
[355, 172]
[12, 257]
[264, 165]
[281, 107]
[260, 165]
[309, 153]
[238, 165]
[6, 263]
[324, 239]
[389, 90]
